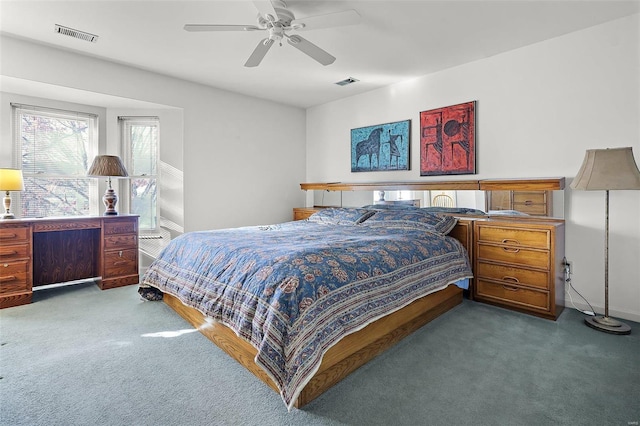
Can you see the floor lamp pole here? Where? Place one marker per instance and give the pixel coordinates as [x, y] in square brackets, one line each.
[606, 323]
[606, 255]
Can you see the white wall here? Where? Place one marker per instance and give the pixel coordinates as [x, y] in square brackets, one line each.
[243, 158]
[538, 109]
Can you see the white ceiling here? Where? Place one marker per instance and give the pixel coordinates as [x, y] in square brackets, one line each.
[395, 41]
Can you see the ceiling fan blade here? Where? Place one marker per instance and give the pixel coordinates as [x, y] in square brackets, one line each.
[267, 8]
[337, 19]
[305, 46]
[211, 27]
[259, 52]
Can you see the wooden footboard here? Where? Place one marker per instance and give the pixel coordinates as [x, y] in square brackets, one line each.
[345, 356]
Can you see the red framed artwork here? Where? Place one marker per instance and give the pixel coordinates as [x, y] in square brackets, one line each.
[448, 140]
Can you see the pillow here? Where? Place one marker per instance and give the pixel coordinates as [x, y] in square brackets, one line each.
[341, 216]
[441, 224]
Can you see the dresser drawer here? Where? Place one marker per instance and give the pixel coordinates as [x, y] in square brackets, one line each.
[532, 209]
[121, 262]
[14, 235]
[514, 255]
[511, 275]
[121, 241]
[538, 238]
[530, 202]
[66, 225]
[529, 197]
[512, 295]
[14, 252]
[120, 226]
[13, 277]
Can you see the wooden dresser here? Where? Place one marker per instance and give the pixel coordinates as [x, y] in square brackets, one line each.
[518, 265]
[37, 252]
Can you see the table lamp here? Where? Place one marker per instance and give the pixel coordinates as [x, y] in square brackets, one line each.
[604, 170]
[109, 166]
[10, 180]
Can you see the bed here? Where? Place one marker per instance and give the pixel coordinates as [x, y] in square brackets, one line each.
[302, 304]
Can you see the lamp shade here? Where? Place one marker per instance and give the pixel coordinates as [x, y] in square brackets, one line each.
[107, 165]
[605, 169]
[11, 180]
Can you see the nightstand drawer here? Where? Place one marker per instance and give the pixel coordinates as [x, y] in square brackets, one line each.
[13, 277]
[511, 275]
[14, 235]
[121, 262]
[512, 295]
[120, 226]
[514, 255]
[15, 252]
[121, 241]
[514, 236]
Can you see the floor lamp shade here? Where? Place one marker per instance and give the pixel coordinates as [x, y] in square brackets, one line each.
[605, 170]
[108, 166]
[10, 180]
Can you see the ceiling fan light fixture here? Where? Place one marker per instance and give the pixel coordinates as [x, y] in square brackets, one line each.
[347, 81]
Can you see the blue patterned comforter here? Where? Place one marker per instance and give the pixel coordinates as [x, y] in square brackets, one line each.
[293, 290]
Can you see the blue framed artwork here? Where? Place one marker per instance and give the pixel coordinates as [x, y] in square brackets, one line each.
[382, 147]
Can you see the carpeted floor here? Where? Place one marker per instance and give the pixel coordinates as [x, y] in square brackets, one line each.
[82, 356]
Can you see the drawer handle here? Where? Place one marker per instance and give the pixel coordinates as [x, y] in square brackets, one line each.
[511, 249]
[8, 236]
[510, 287]
[8, 253]
[7, 279]
[513, 279]
[528, 203]
[121, 262]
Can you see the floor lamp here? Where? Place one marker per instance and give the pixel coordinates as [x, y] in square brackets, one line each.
[607, 169]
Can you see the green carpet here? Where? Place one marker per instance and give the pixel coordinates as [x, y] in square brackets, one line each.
[82, 356]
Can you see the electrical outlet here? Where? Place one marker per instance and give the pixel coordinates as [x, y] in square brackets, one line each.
[568, 266]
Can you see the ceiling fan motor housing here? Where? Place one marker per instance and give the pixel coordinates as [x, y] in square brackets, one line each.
[284, 16]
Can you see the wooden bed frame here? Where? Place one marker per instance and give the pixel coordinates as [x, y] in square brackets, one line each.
[349, 353]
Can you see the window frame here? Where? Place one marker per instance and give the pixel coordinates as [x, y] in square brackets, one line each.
[18, 110]
[124, 123]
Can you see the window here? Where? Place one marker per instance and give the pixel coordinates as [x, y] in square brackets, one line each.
[54, 149]
[140, 139]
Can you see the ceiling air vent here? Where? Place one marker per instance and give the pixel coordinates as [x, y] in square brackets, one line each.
[347, 81]
[76, 33]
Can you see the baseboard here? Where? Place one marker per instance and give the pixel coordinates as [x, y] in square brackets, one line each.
[622, 315]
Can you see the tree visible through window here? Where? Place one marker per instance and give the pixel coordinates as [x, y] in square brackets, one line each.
[55, 149]
[140, 138]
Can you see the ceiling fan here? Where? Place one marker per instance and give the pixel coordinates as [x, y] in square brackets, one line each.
[276, 20]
